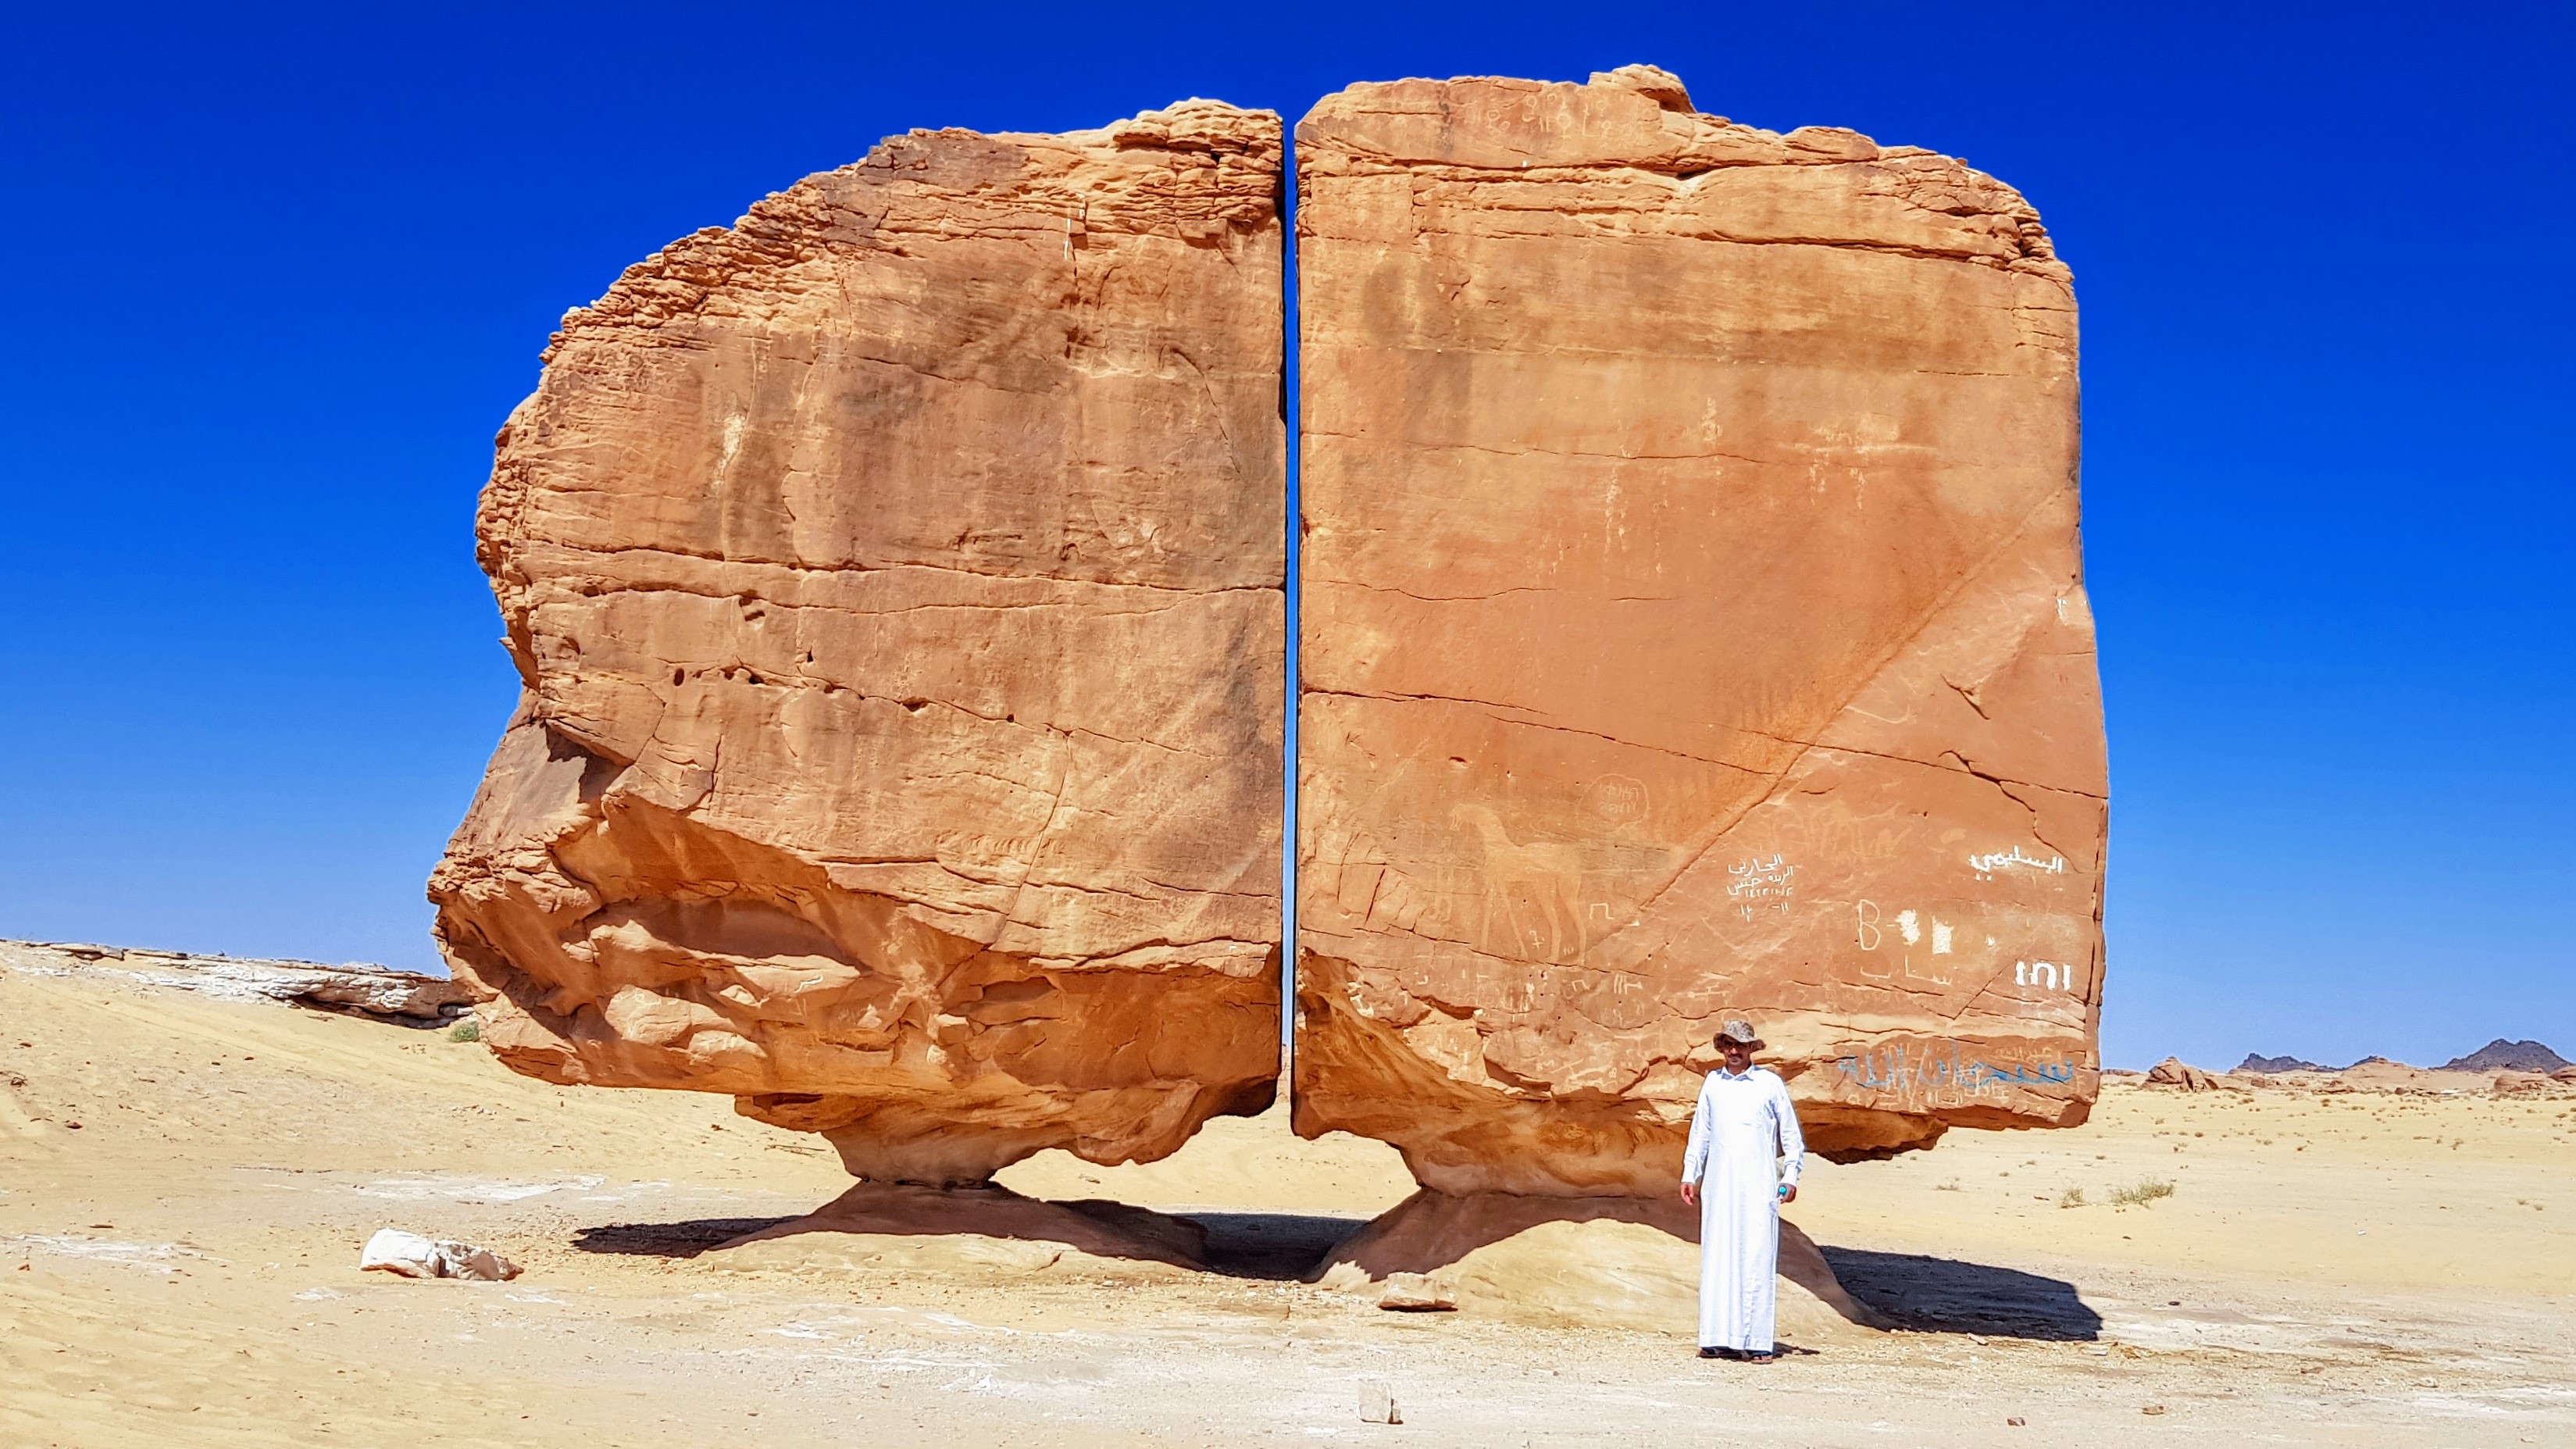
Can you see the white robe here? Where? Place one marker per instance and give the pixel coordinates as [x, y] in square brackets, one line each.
[1742, 1131]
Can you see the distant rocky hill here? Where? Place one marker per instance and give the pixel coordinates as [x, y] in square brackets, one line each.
[2253, 1063]
[2496, 1056]
[2507, 1056]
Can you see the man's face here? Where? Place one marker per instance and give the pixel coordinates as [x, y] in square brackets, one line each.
[1739, 1057]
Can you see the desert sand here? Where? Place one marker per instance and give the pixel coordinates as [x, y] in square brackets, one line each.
[180, 1267]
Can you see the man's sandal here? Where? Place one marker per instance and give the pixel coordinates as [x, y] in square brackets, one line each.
[1761, 1358]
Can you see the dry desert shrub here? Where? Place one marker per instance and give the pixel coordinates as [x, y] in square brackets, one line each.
[2141, 1193]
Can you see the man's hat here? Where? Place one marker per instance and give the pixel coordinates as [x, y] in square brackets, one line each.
[1740, 1030]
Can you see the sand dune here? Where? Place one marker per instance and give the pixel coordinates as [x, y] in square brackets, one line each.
[2354, 1268]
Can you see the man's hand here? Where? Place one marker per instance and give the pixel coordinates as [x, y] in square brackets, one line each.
[1788, 1193]
[1690, 1193]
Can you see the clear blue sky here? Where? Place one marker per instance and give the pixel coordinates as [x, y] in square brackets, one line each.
[276, 275]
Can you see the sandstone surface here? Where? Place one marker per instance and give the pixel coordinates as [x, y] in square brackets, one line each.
[896, 580]
[1693, 625]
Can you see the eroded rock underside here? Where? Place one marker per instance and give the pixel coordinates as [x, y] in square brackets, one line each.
[1693, 626]
[896, 579]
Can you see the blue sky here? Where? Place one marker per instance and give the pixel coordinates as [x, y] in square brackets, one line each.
[278, 274]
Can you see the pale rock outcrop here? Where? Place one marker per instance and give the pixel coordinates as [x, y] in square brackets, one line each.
[2175, 1072]
[896, 580]
[1693, 625]
[359, 988]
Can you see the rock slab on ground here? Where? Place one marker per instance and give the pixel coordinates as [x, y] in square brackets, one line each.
[1693, 626]
[1414, 1293]
[410, 1255]
[895, 577]
[1378, 1405]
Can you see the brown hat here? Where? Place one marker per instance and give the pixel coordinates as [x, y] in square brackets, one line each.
[1741, 1031]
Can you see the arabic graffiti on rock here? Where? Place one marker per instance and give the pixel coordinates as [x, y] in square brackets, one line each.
[2056, 975]
[1759, 883]
[1986, 866]
[1935, 1071]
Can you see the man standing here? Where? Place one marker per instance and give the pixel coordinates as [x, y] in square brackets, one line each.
[1742, 1132]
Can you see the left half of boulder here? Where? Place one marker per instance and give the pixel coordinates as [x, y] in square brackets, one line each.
[896, 580]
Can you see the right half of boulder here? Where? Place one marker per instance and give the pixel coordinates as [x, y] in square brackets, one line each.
[1693, 626]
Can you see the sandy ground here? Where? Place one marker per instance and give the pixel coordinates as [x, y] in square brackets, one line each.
[180, 1268]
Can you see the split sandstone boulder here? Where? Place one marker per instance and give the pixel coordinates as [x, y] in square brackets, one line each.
[896, 581]
[1693, 626]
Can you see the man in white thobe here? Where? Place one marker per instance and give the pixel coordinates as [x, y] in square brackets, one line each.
[1742, 1164]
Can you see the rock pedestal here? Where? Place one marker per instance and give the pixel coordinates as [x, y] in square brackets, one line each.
[896, 579]
[1693, 626]
[1591, 1262]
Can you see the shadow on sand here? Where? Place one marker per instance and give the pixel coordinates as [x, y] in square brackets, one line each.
[669, 1240]
[1254, 1245]
[1278, 1247]
[1944, 1295]
[1905, 1290]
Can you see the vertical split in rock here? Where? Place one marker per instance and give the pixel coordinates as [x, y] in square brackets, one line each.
[1693, 625]
[896, 576]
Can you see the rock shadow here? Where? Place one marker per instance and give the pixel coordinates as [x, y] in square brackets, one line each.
[901, 1227]
[668, 1240]
[1273, 1247]
[1945, 1295]
[905, 1226]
